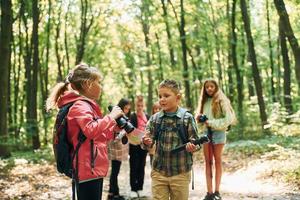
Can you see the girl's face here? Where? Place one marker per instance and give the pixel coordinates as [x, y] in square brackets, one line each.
[210, 88]
[168, 99]
[156, 108]
[139, 107]
[126, 109]
[92, 90]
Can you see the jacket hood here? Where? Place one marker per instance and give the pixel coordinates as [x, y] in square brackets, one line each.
[72, 96]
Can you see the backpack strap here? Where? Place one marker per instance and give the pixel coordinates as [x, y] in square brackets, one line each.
[182, 132]
[157, 129]
[183, 129]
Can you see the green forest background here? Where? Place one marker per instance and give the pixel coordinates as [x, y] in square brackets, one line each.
[250, 47]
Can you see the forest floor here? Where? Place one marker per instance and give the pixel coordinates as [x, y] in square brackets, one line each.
[245, 177]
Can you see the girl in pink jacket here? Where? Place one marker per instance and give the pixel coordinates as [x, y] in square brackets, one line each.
[82, 88]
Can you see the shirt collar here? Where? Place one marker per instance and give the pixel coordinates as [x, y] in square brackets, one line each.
[179, 113]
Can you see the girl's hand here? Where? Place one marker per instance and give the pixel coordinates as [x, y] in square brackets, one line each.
[116, 112]
[190, 147]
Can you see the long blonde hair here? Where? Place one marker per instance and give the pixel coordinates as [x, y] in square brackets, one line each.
[218, 98]
[79, 76]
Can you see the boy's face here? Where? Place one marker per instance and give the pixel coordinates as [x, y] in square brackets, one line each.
[168, 99]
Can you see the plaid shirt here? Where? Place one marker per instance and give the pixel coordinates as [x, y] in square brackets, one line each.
[117, 150]
[168, 138]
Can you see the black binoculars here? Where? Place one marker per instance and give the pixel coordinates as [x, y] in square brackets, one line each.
[201, 140]
[123, 123]
[202, 118]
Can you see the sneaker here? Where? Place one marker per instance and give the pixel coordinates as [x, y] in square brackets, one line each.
[118, 197]
[110, 196]
[217, 196]
[133, 194]
[142, 193]
[209, 196]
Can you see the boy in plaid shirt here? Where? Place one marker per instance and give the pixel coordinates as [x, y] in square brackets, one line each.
[171, 172]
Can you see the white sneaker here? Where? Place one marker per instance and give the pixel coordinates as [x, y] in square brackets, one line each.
[142, 193]
[133, 194]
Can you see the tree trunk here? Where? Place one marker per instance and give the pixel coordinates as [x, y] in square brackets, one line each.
[35, 67]
[57, 48]
[161, 71]
[145, 12]
[43, 73]
[252, 56]
[287, 70]
[217, 43]
[231, 92]
[239, 79]
[270, 54]
[185, 72]
[166, 21]
[84, 29]
[5, 42]
[288, 30]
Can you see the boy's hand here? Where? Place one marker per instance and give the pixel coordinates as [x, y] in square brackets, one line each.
[190, 147]
[147, 140]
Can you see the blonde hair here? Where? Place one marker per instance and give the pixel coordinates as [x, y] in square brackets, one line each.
[217, 98]
[80, 75]
[155, 106]
[171, 84]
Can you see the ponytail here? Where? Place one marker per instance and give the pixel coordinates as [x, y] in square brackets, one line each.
[56, 92]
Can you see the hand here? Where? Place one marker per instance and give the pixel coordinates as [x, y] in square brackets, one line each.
[116, 112]
[190, 147]
[147, 140]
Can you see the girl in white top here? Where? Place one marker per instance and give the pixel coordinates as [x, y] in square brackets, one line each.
[216, 106]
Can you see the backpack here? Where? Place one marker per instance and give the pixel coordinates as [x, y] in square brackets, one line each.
[62, 148]
[182, 129]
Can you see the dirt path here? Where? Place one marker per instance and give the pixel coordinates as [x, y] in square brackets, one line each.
[257, 179]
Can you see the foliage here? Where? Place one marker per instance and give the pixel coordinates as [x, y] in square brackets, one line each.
[294, 177]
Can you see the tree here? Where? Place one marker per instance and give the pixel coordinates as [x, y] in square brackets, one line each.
[185, 71]
[287, 70]
[32, 109]
[252, 57]
[288, 30]
[145, 12]
[84, 29]
[5, 42]
[270, 52]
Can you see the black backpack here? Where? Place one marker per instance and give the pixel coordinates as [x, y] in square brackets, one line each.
[62, 148]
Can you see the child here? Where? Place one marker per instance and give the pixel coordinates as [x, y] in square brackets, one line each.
[117, 153]
[217, 108]
[155, 108]
[137, 159]
[82, 88]
[171, 173]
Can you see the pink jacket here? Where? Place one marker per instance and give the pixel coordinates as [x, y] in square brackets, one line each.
[85, 114]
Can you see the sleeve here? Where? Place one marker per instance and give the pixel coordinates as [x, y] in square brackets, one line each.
[84, 116]
[227, 118]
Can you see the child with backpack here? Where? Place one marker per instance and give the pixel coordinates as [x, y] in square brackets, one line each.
[84, 126]
[169, 128]
[219, 115]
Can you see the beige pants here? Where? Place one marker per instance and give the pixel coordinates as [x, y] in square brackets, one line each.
[173, 187]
